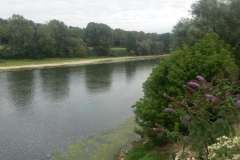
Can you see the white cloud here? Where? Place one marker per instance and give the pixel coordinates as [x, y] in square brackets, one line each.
[141, 15]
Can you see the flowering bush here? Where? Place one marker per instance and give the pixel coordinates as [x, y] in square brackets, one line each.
[204, 58]
[225, 148]
[209, 110]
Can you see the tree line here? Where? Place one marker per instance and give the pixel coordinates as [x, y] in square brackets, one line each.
[210, 16]
[22, 38]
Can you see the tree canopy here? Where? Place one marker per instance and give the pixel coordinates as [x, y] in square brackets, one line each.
[22, 38]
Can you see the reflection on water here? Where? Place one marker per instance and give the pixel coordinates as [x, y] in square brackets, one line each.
[21, 92]
[44, 110]
[98, 79]
[55, 82]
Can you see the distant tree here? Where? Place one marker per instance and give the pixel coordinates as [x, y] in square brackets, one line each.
[130, 42]
[1, 33]
[76, 32]
[20, 34]
[120, 37]
[99, 36]
[46, 41]
[165, 38]
[61, 36]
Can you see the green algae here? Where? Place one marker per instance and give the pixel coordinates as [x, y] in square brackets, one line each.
[101, 146]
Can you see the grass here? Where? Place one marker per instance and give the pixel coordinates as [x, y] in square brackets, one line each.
[21, 62]
[118, 48]
[140, 153]
[143, 150]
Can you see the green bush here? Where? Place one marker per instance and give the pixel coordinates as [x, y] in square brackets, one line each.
[80, 51]
[210, 110]
[118, 52]
[204, 58]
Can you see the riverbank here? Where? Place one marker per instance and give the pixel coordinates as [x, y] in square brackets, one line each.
[50, 64]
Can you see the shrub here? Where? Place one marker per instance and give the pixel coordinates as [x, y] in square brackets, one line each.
[210, 110]
[204, 58]
[80, 51]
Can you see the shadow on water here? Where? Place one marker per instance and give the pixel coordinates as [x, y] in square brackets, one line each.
[21, 92]
[55, 83]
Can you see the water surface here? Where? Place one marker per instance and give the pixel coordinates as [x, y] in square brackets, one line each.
[44, 110]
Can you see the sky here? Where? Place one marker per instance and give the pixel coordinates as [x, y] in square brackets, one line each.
[150, 16]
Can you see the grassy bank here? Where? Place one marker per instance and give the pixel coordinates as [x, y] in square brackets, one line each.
[21, 62]
[63, 61]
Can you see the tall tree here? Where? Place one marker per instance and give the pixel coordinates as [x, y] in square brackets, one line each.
[130, 42]
[46, 41]
[20, 34]
[99, 36]
[165, 38]
[61, 37]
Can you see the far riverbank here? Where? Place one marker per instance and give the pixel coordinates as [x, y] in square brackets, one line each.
[74, 62]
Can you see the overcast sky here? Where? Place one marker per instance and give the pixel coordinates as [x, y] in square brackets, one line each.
[140, 15]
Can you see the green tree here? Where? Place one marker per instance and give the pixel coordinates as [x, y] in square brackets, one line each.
[165, 38]
[1, 33]
[61, 36]
[120, 37]
[46, 41]
[99, 36]
[130, 42]
[204, 58]
[218, 16]
[20, 34]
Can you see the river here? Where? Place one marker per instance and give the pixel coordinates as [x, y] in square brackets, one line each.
[44, 110]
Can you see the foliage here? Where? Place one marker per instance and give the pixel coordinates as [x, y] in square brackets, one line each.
[218, 16]
[204, 58]
[20, 34]
[80, 51]
[225, 148]
[141, 153]
[99, 36]
[209, 110]
[148, 47]
[22, 38]
[165, 38]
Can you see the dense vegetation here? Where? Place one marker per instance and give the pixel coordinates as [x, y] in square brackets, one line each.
[201, 45]
[204, 58]
[218, 16]
[21, 38]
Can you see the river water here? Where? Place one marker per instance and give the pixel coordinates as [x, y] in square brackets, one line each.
[44, 110]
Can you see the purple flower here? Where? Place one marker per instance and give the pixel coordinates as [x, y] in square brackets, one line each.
[209, 96]
[186, 118]
[184, 101]
[212, 98]
[193, 84]
[238, 102]
[200, 78]
[169, 110]
[207, 84]
[164, 95]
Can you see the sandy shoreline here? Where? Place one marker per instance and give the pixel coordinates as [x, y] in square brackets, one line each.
[82, 62]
